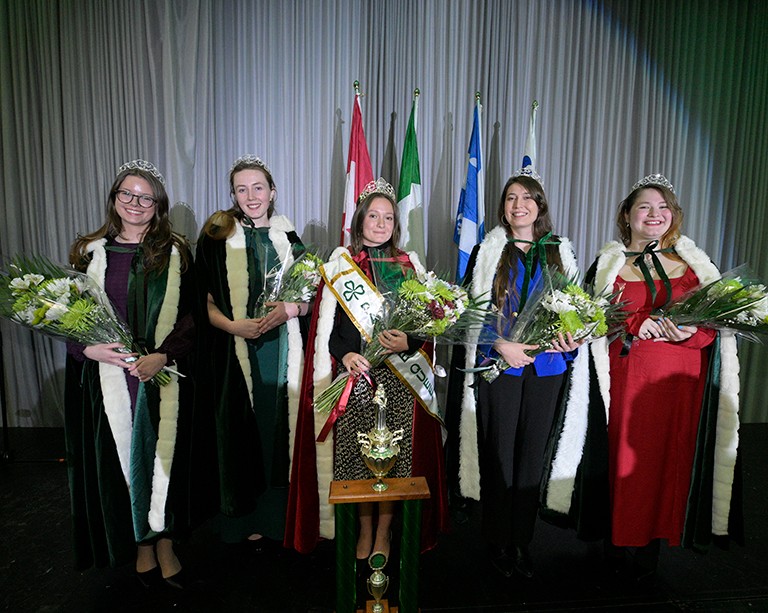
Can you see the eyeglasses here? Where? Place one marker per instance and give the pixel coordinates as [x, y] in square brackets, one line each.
[143, 200]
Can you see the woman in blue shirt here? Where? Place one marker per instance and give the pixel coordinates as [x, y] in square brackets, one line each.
[505, 423]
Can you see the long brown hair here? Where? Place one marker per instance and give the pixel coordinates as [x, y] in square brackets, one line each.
[625, 206]
[221, 224]
[543, 224]
[358, 219]
[158, 238]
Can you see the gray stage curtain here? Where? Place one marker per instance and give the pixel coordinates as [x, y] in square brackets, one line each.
[626, 88]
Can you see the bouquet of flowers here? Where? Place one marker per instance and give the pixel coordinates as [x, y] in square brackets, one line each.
[64, 304]
[295, 283]
[556, 305]
[738, 301]
[423, 307]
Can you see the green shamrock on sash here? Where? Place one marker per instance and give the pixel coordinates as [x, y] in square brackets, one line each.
[352, 290]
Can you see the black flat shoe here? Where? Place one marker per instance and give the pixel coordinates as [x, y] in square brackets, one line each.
[504, 564]
[522, 561]
[150, 578]
[178, 581]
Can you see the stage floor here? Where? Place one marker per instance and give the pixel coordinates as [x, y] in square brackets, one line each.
[36, 571]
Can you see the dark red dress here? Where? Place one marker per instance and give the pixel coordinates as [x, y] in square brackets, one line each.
[656, 394]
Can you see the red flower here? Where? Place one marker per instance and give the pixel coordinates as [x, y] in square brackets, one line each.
[435, 310]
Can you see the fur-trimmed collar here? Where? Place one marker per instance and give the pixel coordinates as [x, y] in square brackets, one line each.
[612, 257]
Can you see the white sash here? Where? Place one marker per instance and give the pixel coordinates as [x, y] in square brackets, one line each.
[361, 300]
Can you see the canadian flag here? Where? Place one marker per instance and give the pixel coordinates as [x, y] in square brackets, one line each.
[359, 170]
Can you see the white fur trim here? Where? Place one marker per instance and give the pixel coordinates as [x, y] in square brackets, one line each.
[727, 434]
[117, 402]
[564, 465]
[279, 226]
[169, 400]
[322, 378]
[237, 280]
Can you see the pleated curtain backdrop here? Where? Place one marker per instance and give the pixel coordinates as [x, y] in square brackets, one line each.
[625, 88]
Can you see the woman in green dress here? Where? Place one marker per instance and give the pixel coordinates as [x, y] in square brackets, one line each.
[254, 360]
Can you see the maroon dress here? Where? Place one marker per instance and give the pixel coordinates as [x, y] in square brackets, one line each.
[656, 393]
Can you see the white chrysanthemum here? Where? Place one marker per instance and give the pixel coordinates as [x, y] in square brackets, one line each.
[58, 290]
[55, 312]
[558, 302]
[760, 309]
[80, 283]
[26, 316]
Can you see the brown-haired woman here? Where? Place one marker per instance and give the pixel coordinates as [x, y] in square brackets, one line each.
[128, 457]
[662, 411]
[253, 370]
[505, 423]
[373, 259]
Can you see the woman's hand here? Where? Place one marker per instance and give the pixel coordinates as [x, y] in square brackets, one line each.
[564, 344]
[514, 353]
[107, 353]
[355, 363]
[147, 366]
[280, 313]
[393, 341]
[245, 328]
[650, 329]
[670, 331]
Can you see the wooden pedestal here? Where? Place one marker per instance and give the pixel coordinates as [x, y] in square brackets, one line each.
[345, 495]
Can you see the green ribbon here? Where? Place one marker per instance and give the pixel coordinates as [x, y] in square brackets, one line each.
[642, 264]
[538, 248]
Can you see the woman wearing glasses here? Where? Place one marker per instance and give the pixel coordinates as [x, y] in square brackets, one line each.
[127, 437]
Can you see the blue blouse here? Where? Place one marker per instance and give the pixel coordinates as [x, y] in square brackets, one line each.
[545, 364]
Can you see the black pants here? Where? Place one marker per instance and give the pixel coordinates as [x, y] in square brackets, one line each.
[514, 420]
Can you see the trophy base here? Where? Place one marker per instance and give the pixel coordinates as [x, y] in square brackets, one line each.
[385, 608]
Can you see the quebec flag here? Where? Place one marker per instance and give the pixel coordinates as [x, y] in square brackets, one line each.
[470, 216]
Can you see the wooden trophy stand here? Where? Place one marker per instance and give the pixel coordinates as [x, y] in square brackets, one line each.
[345, 495]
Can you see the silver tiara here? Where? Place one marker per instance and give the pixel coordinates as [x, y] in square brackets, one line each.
[528, 171]
[654, 179]
[250, 160]
[379, 186]
[145, 166]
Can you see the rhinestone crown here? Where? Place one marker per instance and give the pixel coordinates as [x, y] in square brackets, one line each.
[379, 186]
[528, 171]
[142, 165]
[251, 160]
[654, 179]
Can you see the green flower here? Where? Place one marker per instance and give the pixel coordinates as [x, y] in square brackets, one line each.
[570, 322]
[80, 316]
[411, 289]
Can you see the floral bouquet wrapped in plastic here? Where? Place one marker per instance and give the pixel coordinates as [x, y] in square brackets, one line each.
[64, 304]
[423, 306]
[295, 283]
[737, 301]
[556, 305]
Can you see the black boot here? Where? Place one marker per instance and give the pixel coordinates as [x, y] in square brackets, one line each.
[522, 560]
[646, 561]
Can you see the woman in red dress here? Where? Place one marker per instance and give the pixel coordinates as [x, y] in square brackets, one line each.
[672, 420]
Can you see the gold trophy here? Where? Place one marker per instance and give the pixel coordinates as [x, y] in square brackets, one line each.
[377, 585]
[379, 446]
